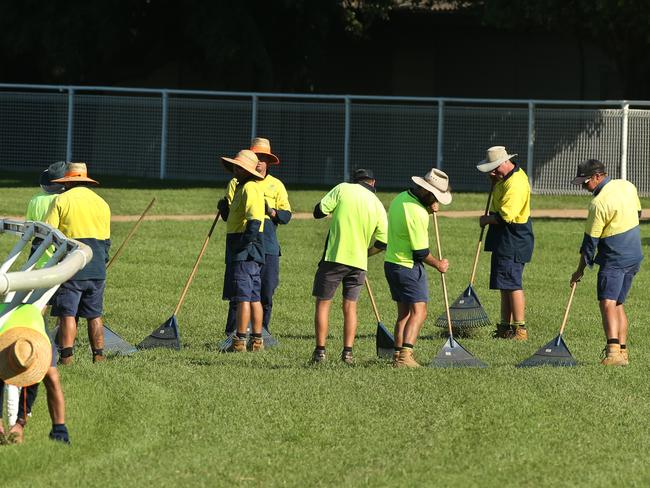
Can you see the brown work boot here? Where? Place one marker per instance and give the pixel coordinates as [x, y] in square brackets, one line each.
[347, 358]
[237, 345]
[256, 344]
[521, 334]
[66, 361]
[613, 356]
[16, 434]
[405, 359]
[395, 355]
[98, 356]
[503, 331]
[625, 356]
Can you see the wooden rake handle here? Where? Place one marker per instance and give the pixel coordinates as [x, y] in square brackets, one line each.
[480, 239]
[196, 264]
[568, 307]
[128, 237]
[372, 300]
[442, 277]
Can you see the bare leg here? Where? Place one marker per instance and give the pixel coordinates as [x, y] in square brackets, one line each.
[257, 314]
[321, 320]
[417, 316]
[349, 322]
[243, 317]
[68, 331]
[622, 324]
[610, 315]
[96, 333]
[517, 305]
[403, 314]
[55, 400]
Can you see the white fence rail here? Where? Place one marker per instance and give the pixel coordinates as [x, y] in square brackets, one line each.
[320, 139]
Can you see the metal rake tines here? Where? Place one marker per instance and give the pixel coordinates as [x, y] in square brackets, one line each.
[466, 312]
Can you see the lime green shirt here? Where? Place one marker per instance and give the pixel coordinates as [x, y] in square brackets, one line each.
[38, 206]
[358, 219]
[408, 229]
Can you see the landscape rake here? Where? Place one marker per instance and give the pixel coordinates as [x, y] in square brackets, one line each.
[167, 335]
[556, 352]
[467, 312]
[384, 339]
[452, 354]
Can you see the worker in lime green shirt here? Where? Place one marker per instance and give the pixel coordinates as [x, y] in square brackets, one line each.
[357, 230]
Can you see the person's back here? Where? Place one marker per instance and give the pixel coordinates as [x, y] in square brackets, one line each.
[357, 214]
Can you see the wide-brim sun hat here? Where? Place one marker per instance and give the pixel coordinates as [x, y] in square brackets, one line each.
[245, 159]
[25, 356]
[76, 172]
[262, 147]
[494, 157]
[53, 172]
[436, 182]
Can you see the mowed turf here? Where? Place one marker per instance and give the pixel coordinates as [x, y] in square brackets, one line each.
[199, 418]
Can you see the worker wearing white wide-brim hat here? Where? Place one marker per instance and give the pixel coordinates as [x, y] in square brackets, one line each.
[509, 238]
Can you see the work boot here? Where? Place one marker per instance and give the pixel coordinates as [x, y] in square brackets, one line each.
[613, 356]
[521, 334]
[625, 356]
[318, 356]
[98, 355]
[503, 331]
[405, 359]
[395, 355]
[237, 345]
[347, 358]
[256, 344]
[66, 361]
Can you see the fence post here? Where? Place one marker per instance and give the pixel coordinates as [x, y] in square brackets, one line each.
[254, 117]
[531, 143]
[163, 135]
[624, 140]
[346, 142]
[68, 142]
[441, 133]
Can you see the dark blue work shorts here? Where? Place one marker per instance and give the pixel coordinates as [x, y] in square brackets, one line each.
[407, 285]
[615, 283]
[505, 273]
[330, 275]
[242, 282]
[79, 298]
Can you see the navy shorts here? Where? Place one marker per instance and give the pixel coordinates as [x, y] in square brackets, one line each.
[330, 275]
[505, 273]
[615, 283]
[407, 285]
[242, 282]
[79, 298]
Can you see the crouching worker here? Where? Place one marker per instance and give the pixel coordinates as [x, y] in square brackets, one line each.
[612, 240]
[245, 250]
[406, 254]
[83, 215]
[26, 358]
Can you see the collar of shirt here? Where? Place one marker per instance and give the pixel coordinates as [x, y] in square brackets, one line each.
[367, 186]
[514, 170]
[601, 185]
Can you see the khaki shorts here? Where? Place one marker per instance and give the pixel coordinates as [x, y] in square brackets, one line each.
[330, 275]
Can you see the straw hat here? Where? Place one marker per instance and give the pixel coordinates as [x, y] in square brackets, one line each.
[76, 172]
[25, 349]
[494, 157]
[262, 147]
[245, 159]
[436, 182]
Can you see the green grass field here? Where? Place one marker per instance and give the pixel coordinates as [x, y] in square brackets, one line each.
[198, 418]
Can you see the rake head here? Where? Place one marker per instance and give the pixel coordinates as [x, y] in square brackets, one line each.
[166, 335]
[385, 342]
[453, 355]
[555, 353]
[466, 312]
[113, 343]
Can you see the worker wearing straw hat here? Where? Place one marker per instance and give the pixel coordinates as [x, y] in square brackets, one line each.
[83, 215]
[406, 254]
[278, 212]
[509, 238]
[26, 358]
[245, 250]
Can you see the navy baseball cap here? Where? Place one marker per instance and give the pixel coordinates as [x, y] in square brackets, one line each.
[362, 174]
[587, 169]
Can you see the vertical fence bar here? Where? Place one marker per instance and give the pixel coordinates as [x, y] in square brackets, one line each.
[68, 142]
[163, 135]
[346, 142]
[441, 133]
[624, 140]
[254, 101]
[531, 143]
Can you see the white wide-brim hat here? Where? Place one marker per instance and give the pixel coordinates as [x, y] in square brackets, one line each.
[436, 182]
[494, 157]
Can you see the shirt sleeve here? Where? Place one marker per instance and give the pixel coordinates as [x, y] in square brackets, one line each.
[282, 206]
[329, 202]
[593, 231]
[417, 226]
[513, 201]
[230, 190]
[381, 234]
[53, 217]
